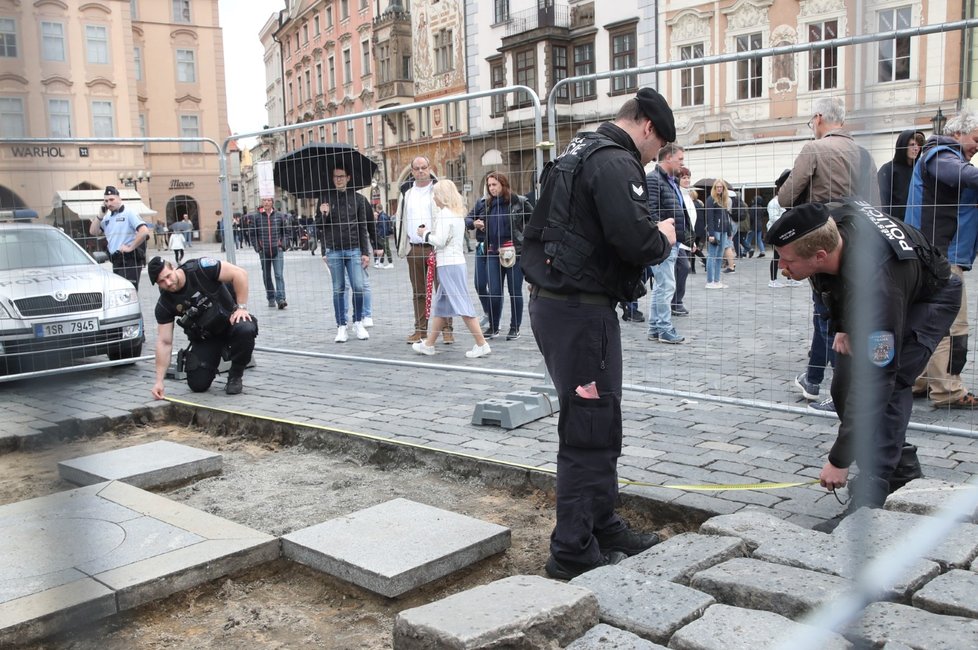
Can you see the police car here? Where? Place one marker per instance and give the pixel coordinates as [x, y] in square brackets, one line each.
[56, 301]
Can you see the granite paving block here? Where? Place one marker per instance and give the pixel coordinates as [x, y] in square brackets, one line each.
[754, 527]
[516, 612]
[89, 552]
[146, 466]
[955, 593]
[882, 529]
[789, 591]
[395, 546]
[680, 556]
[733, 628]
[925, 496]
[652, 608]
[606, 637]
[884, 623]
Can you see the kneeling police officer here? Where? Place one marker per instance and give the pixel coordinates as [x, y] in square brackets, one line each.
[206, 297]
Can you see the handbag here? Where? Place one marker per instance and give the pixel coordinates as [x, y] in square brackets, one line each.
[507, 255]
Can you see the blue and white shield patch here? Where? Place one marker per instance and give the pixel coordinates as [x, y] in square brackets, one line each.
[207, 262]
[882, 348]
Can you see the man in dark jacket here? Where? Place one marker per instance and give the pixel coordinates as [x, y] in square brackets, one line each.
[269, 241]
[666, 202]
[583, 252]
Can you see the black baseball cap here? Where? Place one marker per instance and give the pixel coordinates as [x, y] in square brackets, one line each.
[656, 108]
[111, 190]
[154, 267]
[796, 223]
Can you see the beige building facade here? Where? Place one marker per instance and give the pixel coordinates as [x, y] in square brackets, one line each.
[113, 69]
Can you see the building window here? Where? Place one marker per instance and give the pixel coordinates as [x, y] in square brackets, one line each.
[368, 132]
[59, 118]
[335, 132]
[305, 34]
[308, 77]
[186, 67]
[52, 41]
[558, 68]
[322, 133]
[12, 123]
[297, 46]
[103, 119]
[350, 135]
[137, 61]
[181, 11]
[383, 63]
[134, 9]
[347, 66]
[407, 68]
[823, 64]
[894, 56]
[584, 65]
[365, 57]
[444, 59]
[329, 17]
[364, 4]
[497, 74]
[691, 89]
[525, 73]
[331, 69]
[97, 44]
[143, 131]
[319, 79]
[749, 70]
[623, 56]
[500, 11]
[8, 37]
[315, 25]
[298, 87]
[290, 97]
[344, 9]
[189, 128]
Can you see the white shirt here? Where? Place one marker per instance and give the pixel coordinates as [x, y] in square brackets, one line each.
[447, 236]
[691, 211]
[418, 211]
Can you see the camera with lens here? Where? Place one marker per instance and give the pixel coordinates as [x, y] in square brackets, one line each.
[204, 318]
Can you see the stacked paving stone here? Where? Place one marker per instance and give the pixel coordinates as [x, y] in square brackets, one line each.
[745, 580]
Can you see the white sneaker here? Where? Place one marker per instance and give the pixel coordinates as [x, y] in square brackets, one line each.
[797, 283]
[422, 348]
[360, 331]
[341, 335]
[368, 321]
[478, 351]
[389, 265]
[712, 285]
[777, 284]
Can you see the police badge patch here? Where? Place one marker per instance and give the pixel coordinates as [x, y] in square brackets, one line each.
[207, 262]
[882, 348]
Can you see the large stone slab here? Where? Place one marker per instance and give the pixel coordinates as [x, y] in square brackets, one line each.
[393, 547]
[891, 622]
[878, 530]
[146, 466]
[750, 583]
[652, 608]
[755, 528]
[955, 593]
[515, 612]
[84, 554]
[840, 557]
[679, 557]
[732, 628]
[605, 637]
[925, 496]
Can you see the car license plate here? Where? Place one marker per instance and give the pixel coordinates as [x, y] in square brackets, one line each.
[65, 328]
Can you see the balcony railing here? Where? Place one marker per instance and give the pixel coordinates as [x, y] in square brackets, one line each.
[530, 19]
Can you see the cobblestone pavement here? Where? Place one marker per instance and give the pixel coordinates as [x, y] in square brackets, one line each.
[720, 408]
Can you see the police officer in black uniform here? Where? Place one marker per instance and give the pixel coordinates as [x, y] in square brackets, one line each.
[589, 239]
[207, 298]
[891, 297]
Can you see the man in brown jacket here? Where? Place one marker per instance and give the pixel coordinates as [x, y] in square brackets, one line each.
[832, 166]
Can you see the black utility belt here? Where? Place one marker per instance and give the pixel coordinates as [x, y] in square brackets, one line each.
[602, 299]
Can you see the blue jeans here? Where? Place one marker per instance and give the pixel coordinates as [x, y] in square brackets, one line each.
[514, 283]
[345, 264]
[753, 236]
[660, 304]
[482, 277]
[367, 301]
[274, 291]
[821, 353]
[714, 257]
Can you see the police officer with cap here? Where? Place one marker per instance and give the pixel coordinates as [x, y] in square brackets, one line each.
[207, 298]
[891, 298]
[584, 250]
[125, 233]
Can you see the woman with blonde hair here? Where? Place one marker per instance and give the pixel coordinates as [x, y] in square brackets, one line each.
[447, 236]
[718, 207]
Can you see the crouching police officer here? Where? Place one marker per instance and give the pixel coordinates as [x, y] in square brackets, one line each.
[207, 298]
[891, 298]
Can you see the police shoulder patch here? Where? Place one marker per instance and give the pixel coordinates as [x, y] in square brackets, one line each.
[207, 262]
[882, 348]
[638, 190]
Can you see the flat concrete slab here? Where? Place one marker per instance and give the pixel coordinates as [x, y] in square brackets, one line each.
[396, 546]
[97, 550]
[145, 466]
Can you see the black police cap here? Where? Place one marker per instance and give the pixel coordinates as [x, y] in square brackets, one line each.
[111, 190]
[797, 222]
[154, 267]
[657, 109]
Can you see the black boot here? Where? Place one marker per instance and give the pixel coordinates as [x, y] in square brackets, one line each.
[907, 469]
[234, 385]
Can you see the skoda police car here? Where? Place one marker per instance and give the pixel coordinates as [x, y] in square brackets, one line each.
[57, 301]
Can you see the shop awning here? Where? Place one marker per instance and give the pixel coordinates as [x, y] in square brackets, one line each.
[86, 203]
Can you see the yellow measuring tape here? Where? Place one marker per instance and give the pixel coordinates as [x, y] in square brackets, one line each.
[414, 445]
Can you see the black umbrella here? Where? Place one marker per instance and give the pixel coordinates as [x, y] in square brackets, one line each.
[706, 184]
[308, 171]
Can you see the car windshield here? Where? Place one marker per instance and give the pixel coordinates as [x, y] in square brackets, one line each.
[26, 248]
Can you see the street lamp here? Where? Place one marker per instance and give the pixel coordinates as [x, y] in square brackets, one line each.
[938, 121]
[133, 179]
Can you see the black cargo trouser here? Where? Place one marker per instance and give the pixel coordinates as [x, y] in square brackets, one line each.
[204, 357]
[128, 265]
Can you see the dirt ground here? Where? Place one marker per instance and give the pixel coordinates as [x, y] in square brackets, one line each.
[277, 490]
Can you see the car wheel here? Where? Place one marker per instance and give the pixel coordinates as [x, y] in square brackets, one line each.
[125, 350]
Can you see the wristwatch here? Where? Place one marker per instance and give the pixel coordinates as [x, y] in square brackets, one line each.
[244, 307]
